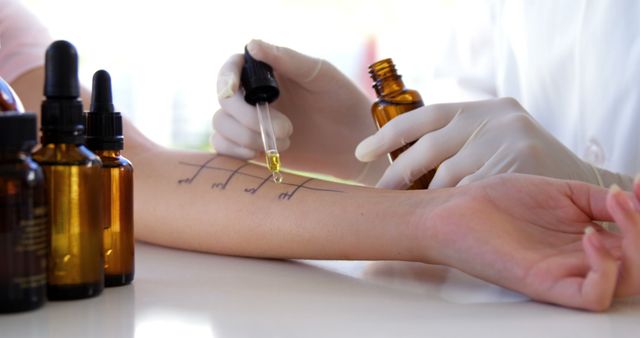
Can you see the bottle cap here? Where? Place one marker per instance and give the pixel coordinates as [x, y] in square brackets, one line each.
[9, 101]
[17, 131]
[258, 81]
[62, 118]
[104, 125]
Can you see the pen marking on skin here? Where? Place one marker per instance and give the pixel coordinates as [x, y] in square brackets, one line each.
[288, 195]
[189, 180]
[253, 190]
[223, 186]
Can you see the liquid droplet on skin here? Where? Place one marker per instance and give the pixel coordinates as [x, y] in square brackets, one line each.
[277, 176]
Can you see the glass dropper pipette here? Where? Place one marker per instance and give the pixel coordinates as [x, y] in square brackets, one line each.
[269, 140]
[260, 89]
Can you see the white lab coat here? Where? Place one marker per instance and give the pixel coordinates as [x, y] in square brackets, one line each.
[574, 65]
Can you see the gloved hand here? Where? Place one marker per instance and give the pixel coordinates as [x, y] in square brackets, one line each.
[472, 140]
[318, 119]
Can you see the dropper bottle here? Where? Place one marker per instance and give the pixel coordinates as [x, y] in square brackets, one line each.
[260, 89]
[105, 139]
[72, 178]
[395, 99]
[24, 236]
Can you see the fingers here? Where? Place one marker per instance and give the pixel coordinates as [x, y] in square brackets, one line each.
[223, 146]
[421, 157]
[627, 216]
[234, 131]
[595, 290]
[285, 61]
[228, 80]
[232, 102]
[600, 282]
[248, 137]
[462, 168]
[236, 126]
[404, 129]
[467, 163]
[424, 155]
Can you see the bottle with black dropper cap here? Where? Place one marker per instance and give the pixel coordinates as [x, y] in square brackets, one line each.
[24, 240]
[72, 175]
[105, 139]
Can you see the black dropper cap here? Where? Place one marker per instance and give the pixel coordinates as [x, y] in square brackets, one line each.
[62, 120]
[104, 124]
[17, 131]
[258, 81]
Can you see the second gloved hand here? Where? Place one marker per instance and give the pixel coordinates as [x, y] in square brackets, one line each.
[318, 119]
[469, 141]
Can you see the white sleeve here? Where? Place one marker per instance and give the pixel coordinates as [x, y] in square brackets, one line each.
[467, 67]
[23, 40]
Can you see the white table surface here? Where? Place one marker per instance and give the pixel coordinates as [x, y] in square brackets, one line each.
[190, 295]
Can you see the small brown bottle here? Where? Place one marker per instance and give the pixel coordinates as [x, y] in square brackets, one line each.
[105, 139]
[72, 176]
[24, 240]
[394, 99]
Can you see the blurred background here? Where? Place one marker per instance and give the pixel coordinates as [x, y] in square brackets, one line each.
[164, 56]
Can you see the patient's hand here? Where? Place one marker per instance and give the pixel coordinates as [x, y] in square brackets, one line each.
[527, 233]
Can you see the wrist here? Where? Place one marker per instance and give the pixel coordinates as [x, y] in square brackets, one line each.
[392, 225]
[427, 224]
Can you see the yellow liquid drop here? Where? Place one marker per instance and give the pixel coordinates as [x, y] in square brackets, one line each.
[273, 163]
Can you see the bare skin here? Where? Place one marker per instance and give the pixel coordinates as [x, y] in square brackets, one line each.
[522, 232]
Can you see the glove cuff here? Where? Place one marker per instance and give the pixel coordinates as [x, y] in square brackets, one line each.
[607, 178]
[597, 173]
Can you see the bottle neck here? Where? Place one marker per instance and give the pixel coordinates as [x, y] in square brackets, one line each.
[107, 153]
[386, 80]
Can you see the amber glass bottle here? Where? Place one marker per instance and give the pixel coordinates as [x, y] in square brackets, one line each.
[394, 99]
[24, 239]
[105, 139]
[72, 176]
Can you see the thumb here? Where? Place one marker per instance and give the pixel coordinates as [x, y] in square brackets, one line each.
[285, 61]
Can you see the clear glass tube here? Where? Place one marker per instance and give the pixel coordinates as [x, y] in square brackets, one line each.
[269, 141]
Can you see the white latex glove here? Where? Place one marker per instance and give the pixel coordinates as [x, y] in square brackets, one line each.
[318, 119]
[472, 140]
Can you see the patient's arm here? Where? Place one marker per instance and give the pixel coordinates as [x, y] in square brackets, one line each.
[521, 232]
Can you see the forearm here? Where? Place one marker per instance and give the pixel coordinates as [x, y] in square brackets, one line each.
[200, 201]
[177, 203]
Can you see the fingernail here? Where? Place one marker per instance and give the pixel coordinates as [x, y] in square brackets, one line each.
[614, 188]
[251, 46]
[365, 151]
[255, 45]
[637, 179]
[226, 90]
[593, 240]
[621, 198]
[589, 230]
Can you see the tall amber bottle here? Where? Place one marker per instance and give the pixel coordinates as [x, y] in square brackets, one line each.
[394, 99]
[105, 139]
[72, 176]
[24, 239]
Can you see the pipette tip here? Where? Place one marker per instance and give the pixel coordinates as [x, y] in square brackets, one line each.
[277, 177]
